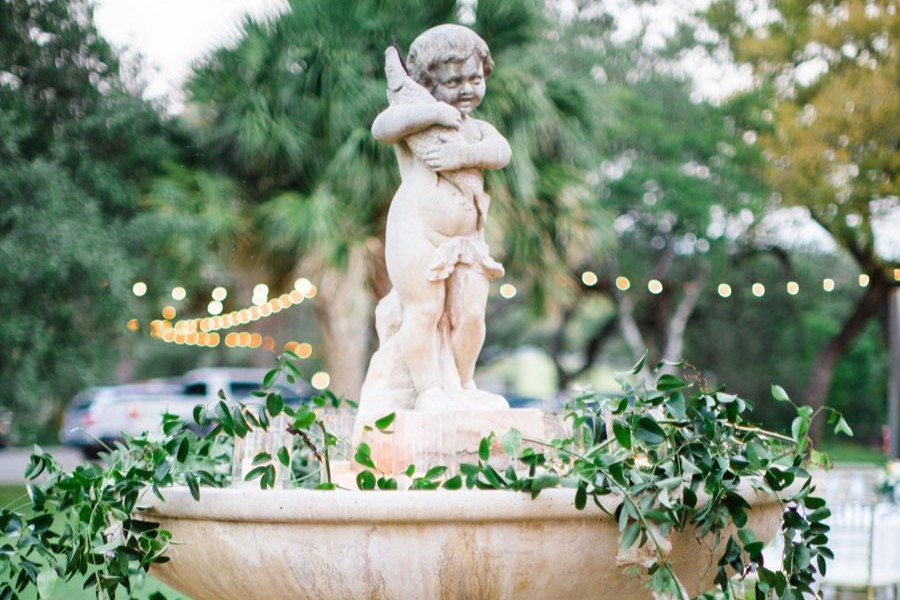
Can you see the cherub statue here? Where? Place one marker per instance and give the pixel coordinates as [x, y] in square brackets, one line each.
[431, 325]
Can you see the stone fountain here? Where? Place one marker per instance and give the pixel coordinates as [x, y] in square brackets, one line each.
[241, 543]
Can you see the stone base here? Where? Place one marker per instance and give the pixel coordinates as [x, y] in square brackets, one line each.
[427, 439]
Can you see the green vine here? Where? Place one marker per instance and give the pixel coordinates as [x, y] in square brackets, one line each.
[669, 453]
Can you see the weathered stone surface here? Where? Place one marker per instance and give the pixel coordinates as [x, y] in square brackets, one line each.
[464, 545]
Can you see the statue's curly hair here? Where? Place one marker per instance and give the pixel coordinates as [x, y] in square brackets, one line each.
[442, 44]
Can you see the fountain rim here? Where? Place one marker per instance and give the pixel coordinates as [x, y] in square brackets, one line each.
[408, 507]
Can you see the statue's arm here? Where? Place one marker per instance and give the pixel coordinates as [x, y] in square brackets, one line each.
[491, 152]
[401, 120]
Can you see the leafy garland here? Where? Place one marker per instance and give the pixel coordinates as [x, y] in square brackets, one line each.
[680, 455]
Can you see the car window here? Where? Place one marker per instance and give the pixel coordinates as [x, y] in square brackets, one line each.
[195, 389]
[242, 389]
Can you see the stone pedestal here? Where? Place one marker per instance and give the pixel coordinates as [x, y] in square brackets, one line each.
[427, 439]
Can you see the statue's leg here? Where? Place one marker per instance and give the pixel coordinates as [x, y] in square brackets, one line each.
[467, 303]
[417, 338]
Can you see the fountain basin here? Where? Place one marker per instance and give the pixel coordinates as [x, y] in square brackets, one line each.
[466, 544]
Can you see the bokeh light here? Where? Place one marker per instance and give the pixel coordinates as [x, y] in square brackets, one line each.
[828, 284]
[793, 288]
[508, 290]
[179, 293]
[168, 312]
[139, 289]
[655, 286]
[219, 293]
[758, 290]
[623, 283]
[589, 278]
[724, 290]
[320, 380]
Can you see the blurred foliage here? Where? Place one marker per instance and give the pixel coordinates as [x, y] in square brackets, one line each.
[77, 146]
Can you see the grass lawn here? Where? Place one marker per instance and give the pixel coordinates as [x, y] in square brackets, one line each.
[843, 452]
[73, 590]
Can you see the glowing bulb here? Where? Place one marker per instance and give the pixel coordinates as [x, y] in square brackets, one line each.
[303, 285]
[219, 293]
[139, 289]
[295, 297]
[828, 284]
[312, 292]
[508, 290]
[255, 340]
[168, 312]
[589, 278]
[863, 280]
[133, 325]
[655, 286]
[320, 380]
[793, 288]
[179, 293]
[214, 307]
[304, 350]
[284, 301]
[268, 343]
[260, 289]
[231, 339]
[896, 274]
[724, 290]
[622, 283]
[758, 290]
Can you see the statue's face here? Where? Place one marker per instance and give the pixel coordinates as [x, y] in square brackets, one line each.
[460, 84]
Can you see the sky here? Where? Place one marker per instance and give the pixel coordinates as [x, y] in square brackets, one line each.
[172, 34]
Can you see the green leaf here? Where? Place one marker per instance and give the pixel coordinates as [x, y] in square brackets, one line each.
[363, 456]
[581, 496]
[779, 394]
[193, 486]
[410, 470]
[649, 431]
[269, 378]
[454, 483]
[843, 427]
[274, 404]
[46, 581]
[629, 536]
[198, 414]
[254, 473]
[261, 457]
[183, 449]
[622, 433]
[799, 428]
[435, 472]
[284, 456]
[511, 442]
[639, 365]
[384, 422]
[484, 448]
[667, 383]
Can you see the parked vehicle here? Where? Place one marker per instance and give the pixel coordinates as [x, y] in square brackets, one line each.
[100, 415]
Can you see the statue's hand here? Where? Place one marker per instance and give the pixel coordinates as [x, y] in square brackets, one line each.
[447, 116]
[449, 156]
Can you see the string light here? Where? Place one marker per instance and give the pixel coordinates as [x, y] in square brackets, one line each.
[139, 288]
[623, 284]
[828, 284]
[215, 308]
[724, 290]
[219, 293]
[896, 274]
[589, 278]
[793, 288]
[508, 290]
[320, 380]
[863, 280]
[168, 312]
[758, 290]
[655, 286]
[133, 325]
[179, 293]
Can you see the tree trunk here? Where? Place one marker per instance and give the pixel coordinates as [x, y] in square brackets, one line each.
[819, 382]
[344, 310]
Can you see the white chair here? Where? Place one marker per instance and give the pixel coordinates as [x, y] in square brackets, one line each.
[865, 539]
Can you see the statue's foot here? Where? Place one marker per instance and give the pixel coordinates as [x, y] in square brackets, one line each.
[434, 399]
[472, 398]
